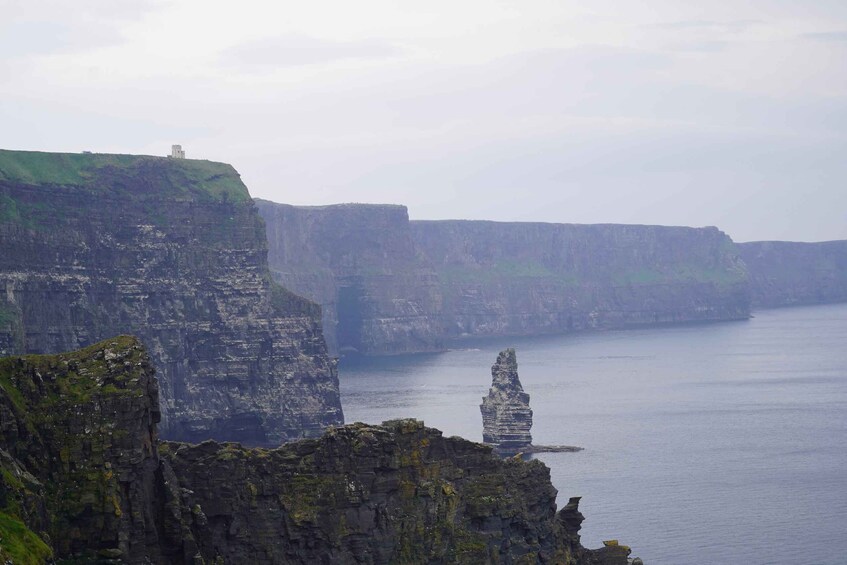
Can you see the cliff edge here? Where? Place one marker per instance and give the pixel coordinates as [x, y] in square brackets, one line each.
[379, 296]
[85, 478]
[173, 251]
[785, 273]
[388, 285]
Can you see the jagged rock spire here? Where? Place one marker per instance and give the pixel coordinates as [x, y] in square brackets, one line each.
[506, 415]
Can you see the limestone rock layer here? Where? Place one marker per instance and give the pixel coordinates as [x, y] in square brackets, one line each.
[85, 479]
[784, 273]
[506, 415]
[359, 262]
[173, 251]
[388, 285]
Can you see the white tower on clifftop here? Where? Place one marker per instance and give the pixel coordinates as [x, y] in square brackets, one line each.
[177, 152]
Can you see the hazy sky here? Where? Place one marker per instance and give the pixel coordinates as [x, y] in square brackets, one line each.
[729, 113]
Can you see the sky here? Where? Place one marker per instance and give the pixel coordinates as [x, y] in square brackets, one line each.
[723, 113]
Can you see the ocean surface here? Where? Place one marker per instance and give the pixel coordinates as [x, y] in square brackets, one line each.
[716, 444]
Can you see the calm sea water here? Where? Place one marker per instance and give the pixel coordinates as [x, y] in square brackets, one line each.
[712, 444]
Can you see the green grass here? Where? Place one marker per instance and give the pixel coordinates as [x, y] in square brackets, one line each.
[681, 273]
[206, 180]
[500, 270]
[19, 544]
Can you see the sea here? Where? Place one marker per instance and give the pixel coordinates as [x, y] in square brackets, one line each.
[722, 443]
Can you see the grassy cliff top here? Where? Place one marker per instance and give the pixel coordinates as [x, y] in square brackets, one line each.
[187, 178]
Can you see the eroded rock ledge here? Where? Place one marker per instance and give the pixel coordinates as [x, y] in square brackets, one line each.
[84, 476]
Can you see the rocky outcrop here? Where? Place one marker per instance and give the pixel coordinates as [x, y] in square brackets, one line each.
[358, 261]
[175, 252]
[784, 273]
[502, 278]
[84, 478]
[506, 415]
[78, 436]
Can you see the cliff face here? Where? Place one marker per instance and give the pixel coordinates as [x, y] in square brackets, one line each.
[528, 278]
[388, 285]
[506, 415]
[78, 450]
[83, 477]
[784, 273]
[174, 252]
[359, 263]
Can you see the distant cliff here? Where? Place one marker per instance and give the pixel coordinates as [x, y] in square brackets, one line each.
[173, 251]
[501, 278]
[388, 285]
[359, 262]
[784, 273]
[83, 477]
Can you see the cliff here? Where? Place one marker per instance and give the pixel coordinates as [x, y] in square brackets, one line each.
[175, 252]
[78, 452]
[528, 278]
[84, 478]
[506, 415]
[784, 273]
[388, 285]
[359, 262]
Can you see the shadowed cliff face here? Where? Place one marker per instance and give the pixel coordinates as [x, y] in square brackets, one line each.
[784, 273]
[359, 263]
[84, 477]
[174, 252]
[526, 278]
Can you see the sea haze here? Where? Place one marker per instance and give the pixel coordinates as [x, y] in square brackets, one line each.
[715, 444]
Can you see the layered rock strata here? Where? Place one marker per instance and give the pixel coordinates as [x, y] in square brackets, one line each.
[501, 278]
[359, 262]
[506, 415]
[388, 285]
[784, 273]
[175, 252]
[84, 478]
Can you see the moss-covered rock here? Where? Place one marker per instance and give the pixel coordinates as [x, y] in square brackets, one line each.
[85, 479]
[77, 437]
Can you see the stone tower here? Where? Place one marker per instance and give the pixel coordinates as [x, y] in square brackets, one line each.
[506, 415]
[177, 152]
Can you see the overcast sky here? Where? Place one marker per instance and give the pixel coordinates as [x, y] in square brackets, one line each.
[722, 113]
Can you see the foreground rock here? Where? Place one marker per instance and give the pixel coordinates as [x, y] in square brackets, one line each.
[84, 477]
[172, 250]
[506, 415]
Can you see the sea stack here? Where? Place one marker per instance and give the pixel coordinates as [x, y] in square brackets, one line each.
[506, 415]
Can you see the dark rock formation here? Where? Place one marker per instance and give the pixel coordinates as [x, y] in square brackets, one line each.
[173, 251]
[359, 263]
[784, 273]
[506, 415]
[529, 278]
[84, 478]
[78, 449]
